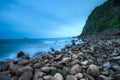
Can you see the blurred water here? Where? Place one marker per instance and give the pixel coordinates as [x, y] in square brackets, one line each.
[10, 47]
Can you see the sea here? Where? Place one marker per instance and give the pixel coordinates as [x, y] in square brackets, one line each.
[9, 48]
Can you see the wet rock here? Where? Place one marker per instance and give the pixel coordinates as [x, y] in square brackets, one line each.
[93, 70]
[47, 69]
[26, 76]
[20, 54]
[80, 53]
[79, 75]
[102, 77]
[5, 72]
[59, 65]
[71, 77]
[84, 62]
[47, 77]
[4, 77]
[75, 69]
[24, 69]
[58, 76]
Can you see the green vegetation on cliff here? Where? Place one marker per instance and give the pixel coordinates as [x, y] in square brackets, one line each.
[102, 18]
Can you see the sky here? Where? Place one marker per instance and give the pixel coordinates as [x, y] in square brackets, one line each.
[44, 18]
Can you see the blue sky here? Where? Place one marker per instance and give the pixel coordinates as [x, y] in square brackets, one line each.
[44, 18]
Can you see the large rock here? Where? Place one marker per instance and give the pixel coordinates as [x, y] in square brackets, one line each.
[93, 70]
[20, 54]
[26, 76]
[24, 69]
[71, 77]
[75, 69]
[4, 77]
[58, 76]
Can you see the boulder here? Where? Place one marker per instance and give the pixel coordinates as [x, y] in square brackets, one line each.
[20, 54]
[93, 70]
[75, 69]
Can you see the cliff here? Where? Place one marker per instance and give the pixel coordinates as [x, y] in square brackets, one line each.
[105, 17]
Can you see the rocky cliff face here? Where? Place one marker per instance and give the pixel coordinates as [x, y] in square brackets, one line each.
[103, 18]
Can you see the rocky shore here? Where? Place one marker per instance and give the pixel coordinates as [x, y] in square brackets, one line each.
[95, 59]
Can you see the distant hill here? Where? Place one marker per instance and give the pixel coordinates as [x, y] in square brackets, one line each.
[103, 18]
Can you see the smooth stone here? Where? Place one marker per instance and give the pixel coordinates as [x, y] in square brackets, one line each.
[79, 75]
[89, 77]
[25, 62]
[66, 60]
[74, 62]
[58, 57]
[93, 70]
[39, 65]
[26, 76]
[84, 62]
[75, 69]
[80, 53]
[82, 79]
[107, 65]
[58, 76]
[116, 58]
[70, 77]
[102, 77]
[24, 69]
[47, 69]
[4, 77]
[47, 77]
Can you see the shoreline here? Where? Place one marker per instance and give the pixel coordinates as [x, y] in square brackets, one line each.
[95, 59]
